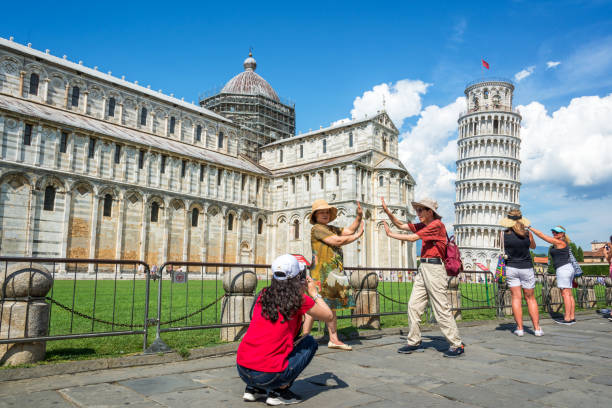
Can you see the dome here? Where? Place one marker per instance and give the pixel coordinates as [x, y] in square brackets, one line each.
[249, 83]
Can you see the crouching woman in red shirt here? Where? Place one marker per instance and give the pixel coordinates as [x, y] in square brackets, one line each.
[268, 361]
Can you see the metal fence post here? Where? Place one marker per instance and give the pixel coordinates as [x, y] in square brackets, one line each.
[158, 345]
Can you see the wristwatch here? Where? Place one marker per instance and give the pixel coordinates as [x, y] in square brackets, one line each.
[318, 295]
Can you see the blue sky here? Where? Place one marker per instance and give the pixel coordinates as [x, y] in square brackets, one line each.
[337, 59]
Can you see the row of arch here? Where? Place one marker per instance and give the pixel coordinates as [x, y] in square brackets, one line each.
[484, 168]
[75, 93]
[480, 213]
[487, 191]
[489, 147]
[62, 150]
[479, 237]
[103, 221]
[487, 124]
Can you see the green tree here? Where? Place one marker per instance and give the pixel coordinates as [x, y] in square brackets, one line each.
[580, 255]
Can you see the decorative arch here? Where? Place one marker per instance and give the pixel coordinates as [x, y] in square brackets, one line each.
[45, 181]
[15, 179]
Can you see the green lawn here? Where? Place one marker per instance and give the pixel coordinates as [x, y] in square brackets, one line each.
[122, 302]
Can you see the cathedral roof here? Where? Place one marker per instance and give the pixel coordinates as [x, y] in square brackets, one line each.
[351, 157]
[84, 123]
[388, 164]
[249, 83]
[44, 56]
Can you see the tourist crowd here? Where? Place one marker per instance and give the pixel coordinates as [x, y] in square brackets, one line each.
[278, 346]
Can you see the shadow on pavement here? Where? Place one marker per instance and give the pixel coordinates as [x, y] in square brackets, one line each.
[314, 385]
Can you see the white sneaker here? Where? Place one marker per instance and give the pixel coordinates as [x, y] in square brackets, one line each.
[538, 333]
[519, 333]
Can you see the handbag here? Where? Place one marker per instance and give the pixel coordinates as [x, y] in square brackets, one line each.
[500, 270]
[575, 264]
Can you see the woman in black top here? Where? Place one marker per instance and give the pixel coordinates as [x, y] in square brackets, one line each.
[559, 252]
[519, 270]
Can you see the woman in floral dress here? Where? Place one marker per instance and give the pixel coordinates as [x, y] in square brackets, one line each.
[328, 271]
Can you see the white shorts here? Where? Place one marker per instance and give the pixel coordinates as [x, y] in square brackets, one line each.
[520, 277]
[565, 276]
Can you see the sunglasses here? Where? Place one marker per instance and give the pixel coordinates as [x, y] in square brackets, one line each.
[420, 210]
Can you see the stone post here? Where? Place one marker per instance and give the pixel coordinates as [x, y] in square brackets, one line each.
[608, 283]
[454, 296]
[552, 295]
[365, 284]
[24, 312]
[239, 286]
[586, 292]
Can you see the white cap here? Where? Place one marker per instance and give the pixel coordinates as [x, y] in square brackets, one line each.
[285, 267]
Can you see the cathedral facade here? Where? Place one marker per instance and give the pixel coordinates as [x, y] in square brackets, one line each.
[93, 166]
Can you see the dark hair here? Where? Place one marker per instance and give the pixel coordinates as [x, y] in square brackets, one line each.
[284, 297]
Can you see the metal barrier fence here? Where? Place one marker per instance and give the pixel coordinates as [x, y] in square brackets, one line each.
[85, 303]
[97, 297]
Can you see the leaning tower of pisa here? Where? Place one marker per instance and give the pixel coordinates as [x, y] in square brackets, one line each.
[488, 169]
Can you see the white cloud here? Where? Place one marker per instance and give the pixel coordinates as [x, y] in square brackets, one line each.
[459, 31]
[519, 76]
[429, 152]
[402, 100]
[552, 64]
[571, 147]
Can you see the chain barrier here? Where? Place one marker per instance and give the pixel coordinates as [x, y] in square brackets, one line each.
[392, 300]
[203, 308]
[95, 319]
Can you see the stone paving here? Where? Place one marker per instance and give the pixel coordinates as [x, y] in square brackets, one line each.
[570, 366]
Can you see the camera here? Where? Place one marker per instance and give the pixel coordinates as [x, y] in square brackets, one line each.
[607, 247]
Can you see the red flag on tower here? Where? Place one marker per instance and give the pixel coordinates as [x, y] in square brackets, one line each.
[485, 64]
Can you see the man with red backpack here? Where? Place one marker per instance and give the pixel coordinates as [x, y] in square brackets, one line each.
[431, 280]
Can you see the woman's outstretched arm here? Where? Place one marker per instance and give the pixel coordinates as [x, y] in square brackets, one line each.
[401, 225]
[401, 237]
[353, 227]
[559, 244]
[339, 240]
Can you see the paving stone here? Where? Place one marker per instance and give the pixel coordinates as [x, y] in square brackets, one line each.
[161, 384]
[518, 389]
[200, 397]
[602, 379]
[480, 397]
[106, 395]
[41, 399]
[575, 398]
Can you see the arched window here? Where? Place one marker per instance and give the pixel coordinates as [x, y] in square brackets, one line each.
[199, 133]
[75, 95]
[260, 226]
[301, 151]
[324, 145]
[230, 222]
[384, 144]
[111, 107]
[108, 205]
[280, 157]
[220, 140]
[381, 181]
[172, 124]
[154, 211]
[34, 83]
[296, 229]
[143, 116]
[351, 139]
[194, 217]
[49, 202]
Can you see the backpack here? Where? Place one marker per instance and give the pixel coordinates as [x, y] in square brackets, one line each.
[453, 263]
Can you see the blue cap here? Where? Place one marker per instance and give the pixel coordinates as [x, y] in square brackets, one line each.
[558, 229]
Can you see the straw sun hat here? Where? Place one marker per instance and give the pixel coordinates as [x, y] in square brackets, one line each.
[428, 203]
[322, 205]
[509, 220]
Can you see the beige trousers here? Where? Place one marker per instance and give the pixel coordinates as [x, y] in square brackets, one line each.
[431, 282]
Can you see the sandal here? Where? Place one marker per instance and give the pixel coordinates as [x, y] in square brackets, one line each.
[345, 347]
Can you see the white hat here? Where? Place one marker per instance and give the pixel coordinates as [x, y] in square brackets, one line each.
[285, 267]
